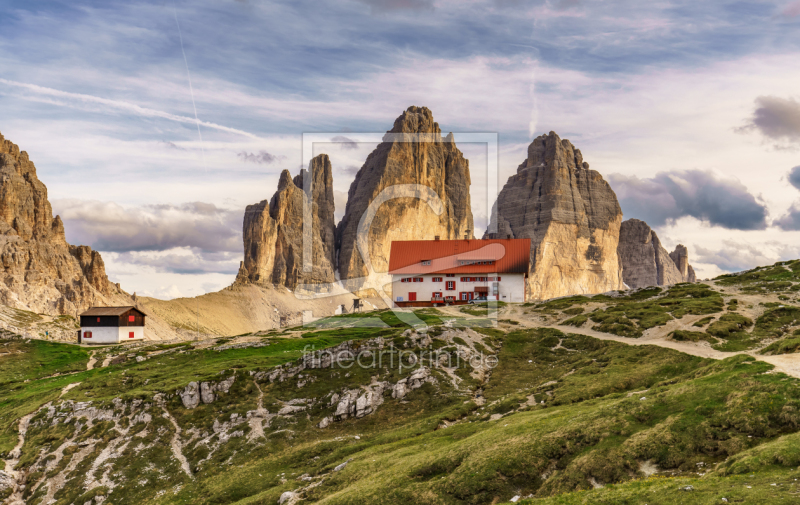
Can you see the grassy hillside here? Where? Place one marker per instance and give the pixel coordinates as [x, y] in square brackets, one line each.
[435, 406]
[558, 416]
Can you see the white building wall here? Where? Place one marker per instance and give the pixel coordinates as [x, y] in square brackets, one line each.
[511, 287]
[124, 333]
[100, 335]
[111, 334]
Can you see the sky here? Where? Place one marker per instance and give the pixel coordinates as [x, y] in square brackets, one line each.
[154, 124]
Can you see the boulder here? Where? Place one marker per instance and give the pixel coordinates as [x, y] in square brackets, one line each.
[206, 392]
[571, 215]
[190, 396]
[288, 498]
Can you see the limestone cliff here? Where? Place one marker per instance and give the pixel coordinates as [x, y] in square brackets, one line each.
[681, 258]
[273, 232]
[41, 271]
[645, 262]
[413, 152]
[571, 215]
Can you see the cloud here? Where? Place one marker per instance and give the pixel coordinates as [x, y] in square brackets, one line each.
[794, 177]
[567, 4]
[262, 158]
[776, 118]
[789, 221]
[734, 256]
[170, 145]
[340, 202]
[350, 170]
[792, 10]
[94, 103]
[204, 228]
[182, 260]
[384, 6]
[700, 194]
[345, 143]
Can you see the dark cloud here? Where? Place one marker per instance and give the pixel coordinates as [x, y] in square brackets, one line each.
[345, 143]
[179, 262]
[733, 257]
[107, 226]
[262, 158]
[776, 118]
[382, 6]
[170, 145]
[794, 177]
[789, 221]
[700, 194]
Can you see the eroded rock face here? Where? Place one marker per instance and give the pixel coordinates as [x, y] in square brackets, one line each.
[273, 232]
[571, 215]
[645, 262]
[41, 271]
[681, 258]
[413, 152]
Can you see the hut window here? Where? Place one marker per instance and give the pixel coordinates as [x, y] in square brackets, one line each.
[131, 319]
[130, 334]
[98, 319]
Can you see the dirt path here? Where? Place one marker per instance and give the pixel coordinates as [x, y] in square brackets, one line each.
[786, 363]
[92, 361]
[256, 420]
[67, 388]
[175, 444]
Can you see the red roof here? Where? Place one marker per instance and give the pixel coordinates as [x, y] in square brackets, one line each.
[460, 256]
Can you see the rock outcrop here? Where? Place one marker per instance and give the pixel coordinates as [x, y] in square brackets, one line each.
[273, 232]
[194, 393]
[41, 271]
[681, 258]
[645, 262]
[571, 215]
[413, 152]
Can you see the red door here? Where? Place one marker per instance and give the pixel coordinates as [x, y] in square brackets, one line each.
[412, 297]
[130, 334]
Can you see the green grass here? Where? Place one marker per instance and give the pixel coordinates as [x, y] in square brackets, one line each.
[774, 323]
[482, 309]
[631, 316]
[789, 345]
[703, 322]
[692, 336]
[781, 277]
[574, 409]
[22, 384]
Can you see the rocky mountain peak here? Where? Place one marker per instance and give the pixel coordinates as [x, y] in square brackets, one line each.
[42, 272]
[552, 152]
[421, 156]
[645, 262]
[273, 233]
[416, 120]
[571, 215]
